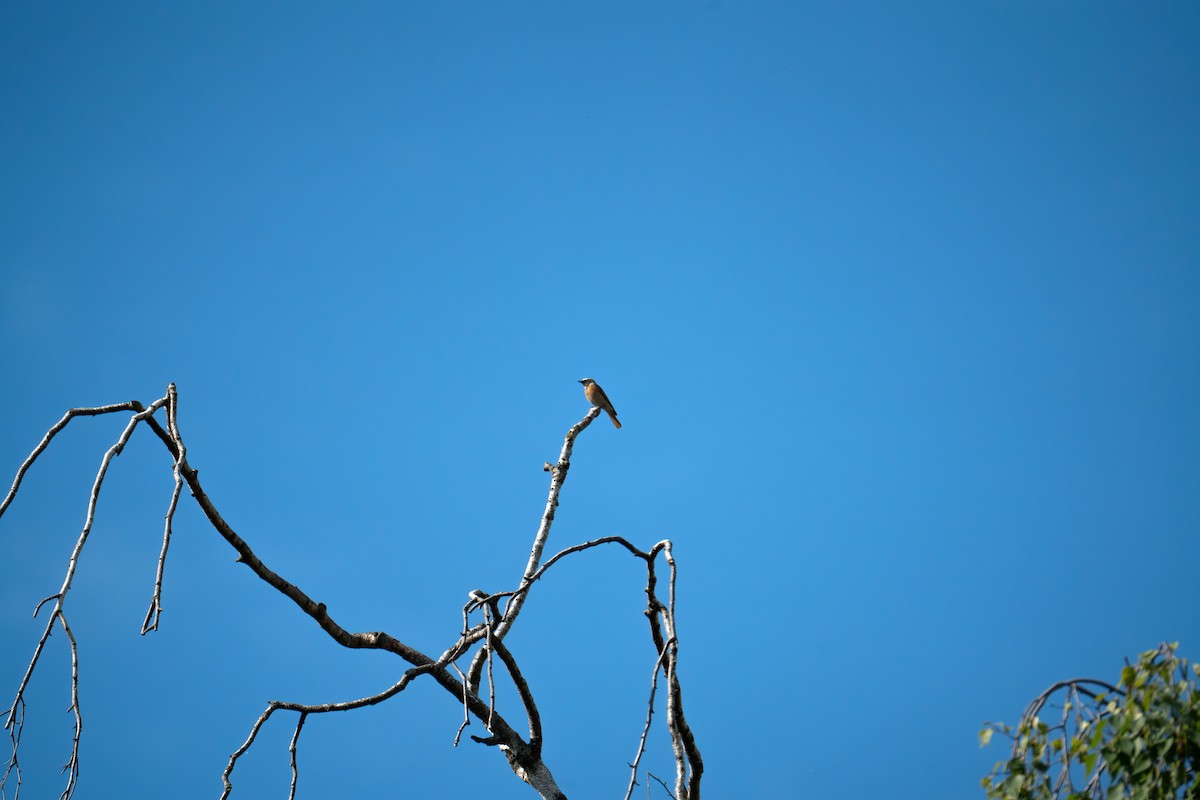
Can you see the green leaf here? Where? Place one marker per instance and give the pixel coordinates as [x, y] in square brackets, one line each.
[1145, 737]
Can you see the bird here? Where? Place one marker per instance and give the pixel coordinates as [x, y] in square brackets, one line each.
[596, 396]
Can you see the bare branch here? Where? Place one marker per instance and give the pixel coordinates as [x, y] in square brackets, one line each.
[637, 759]
[525, 585]
[504, 734]
[491, 639]
[174, 443]
[689, 763]
[523, 757]
[292, 750]
[531, 712]
[558, 476]
[15, 724]
[73, 563]
[666, 788]
[155, 610]
[132, 405]
[466, 711]
[72, 765]
[681, 733]
[241, 750]
[38, 607]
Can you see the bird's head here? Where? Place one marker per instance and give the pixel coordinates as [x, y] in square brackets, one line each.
[586, 381]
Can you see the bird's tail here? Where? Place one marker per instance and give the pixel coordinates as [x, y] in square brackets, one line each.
[614, 418]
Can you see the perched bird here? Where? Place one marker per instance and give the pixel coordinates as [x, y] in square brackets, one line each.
[596, 396]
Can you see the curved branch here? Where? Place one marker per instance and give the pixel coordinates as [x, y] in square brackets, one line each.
[641, 748]
[61, 597]
[531, 711]
[524, 757]
[689, 763]
[155, 610]
[132, 405]
[375, 640]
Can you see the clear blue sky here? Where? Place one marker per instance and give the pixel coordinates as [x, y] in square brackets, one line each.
[900, 306]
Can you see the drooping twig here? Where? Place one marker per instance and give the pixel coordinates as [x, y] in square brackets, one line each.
[73, 563]
[14, 723]
[174, 444]
[132, 405]
[641, 748]
[689, 763]
[155, 610]
[666, 788]
[466, 711]
[523, 691]
[72, 765]
[292, 750]
[524, 757]
[328, 708]
[242, 750]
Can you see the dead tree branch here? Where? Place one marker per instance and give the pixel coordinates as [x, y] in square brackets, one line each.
[155, 610]
[558, 476]
[641, 748]
[524, 755]
[60, 597]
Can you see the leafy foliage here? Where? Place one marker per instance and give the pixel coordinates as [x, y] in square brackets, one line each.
[1139, 740]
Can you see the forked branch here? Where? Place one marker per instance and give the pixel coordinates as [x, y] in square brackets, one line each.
[524, 756]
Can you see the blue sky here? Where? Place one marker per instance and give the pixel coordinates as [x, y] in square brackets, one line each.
[899, 306]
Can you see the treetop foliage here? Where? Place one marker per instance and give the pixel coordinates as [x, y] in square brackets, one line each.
[1137, 740]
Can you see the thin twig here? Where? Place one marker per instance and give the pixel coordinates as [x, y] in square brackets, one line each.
[241, 750]
[38, 607]
[155, 610]
[524, 757]
[491, 638]
[15, 724]
[73, 563]
[504, 732]
[466, 711]
[641, 748]
[526, 695]
[174, 444]
[666, 788]
[132, 405]
[72, 765]
[292, 750]
[689, 763]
